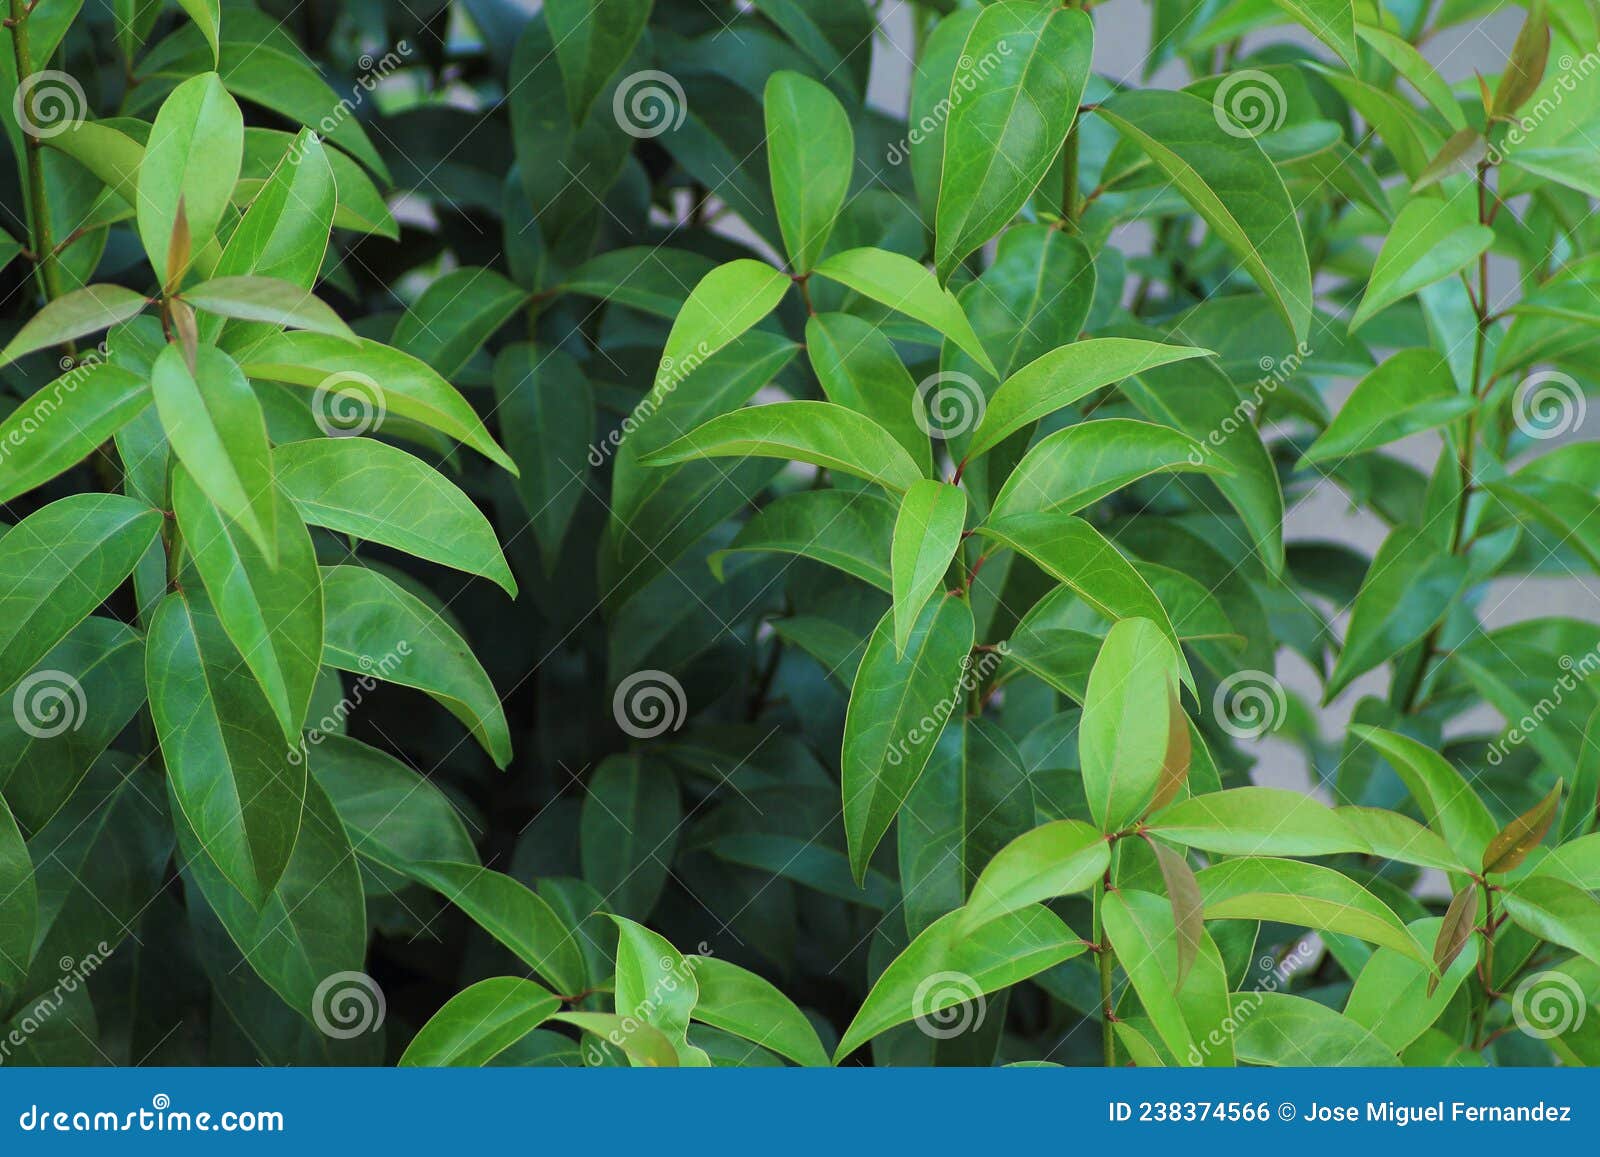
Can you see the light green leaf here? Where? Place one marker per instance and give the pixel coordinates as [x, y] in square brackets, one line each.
[65, 422]
[1257, 821]
[268, 299]
[857, 366]
[811, 152]
[1431, 239]
[479, 1023]
[1183, 1008]
[74, 315]
[726, 302]
[1231, 184]
[643, 1043]
[1278, 1029]
[1127, 719]
[1066, 375]
[1083, 463]
[1408, 393]
[1008, 119]
[207, 15]
[1331, 21]
[193, 157]
[59, 564]
[372, 490]
[1556, 911]
[990, 957]
[1056, 859]
[657, 985]
[271, 613]
[898, 707]
[738, 1001]
[216, 428]
[231, 772]
[377, 629]
[821, 433]
[927, 533]
[1392, 998]
[1448, 803]
[894, 280]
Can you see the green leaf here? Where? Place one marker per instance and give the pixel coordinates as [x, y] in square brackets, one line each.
[1230, 182]
[657, 985]
[65, 422]
[1276, 1028]
[19, 903]
[1431, 239]
[1075, 553]
[376, 629]
[546, 413]
[726, 302]
[898, 707]
[271, 613]
[1064, 376]
[455, 316]
[207, 15]
[644, 1044]
[738, 1001]
[1182, 1007]
[627, 832]
[1257, 821]
[268, 299]
[1122, 740]
[1556, 911]
[59, 564]
[927, 533]
[655, 280]
[1392, 836]
[949, 964]
[1306, 895]
[217, 430]
[1056, 859]
[513, 915]
[903, 285]
[479, 1023]
[1408, 393]
[857, 366]
[1331, 21]
[811, 152]
[193, 158]
[1412, 582]
[372, 490]
[593, 39]
[821, 433]
[1011, 108]
[1081, 464]
[1566, 508]
[230, 769]
[1447, 801]
[52, 736]
[850, 530]
[378, 379]
[74, 315]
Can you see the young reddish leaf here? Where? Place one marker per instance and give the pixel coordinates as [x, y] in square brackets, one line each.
[1188, 908]
[1454, 932]
[1519, 837]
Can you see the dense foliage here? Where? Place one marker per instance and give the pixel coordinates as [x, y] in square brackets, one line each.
[585, 541]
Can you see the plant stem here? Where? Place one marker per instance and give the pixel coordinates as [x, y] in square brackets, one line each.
[43, 243]
[1108, 1031]
[1485, 970]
